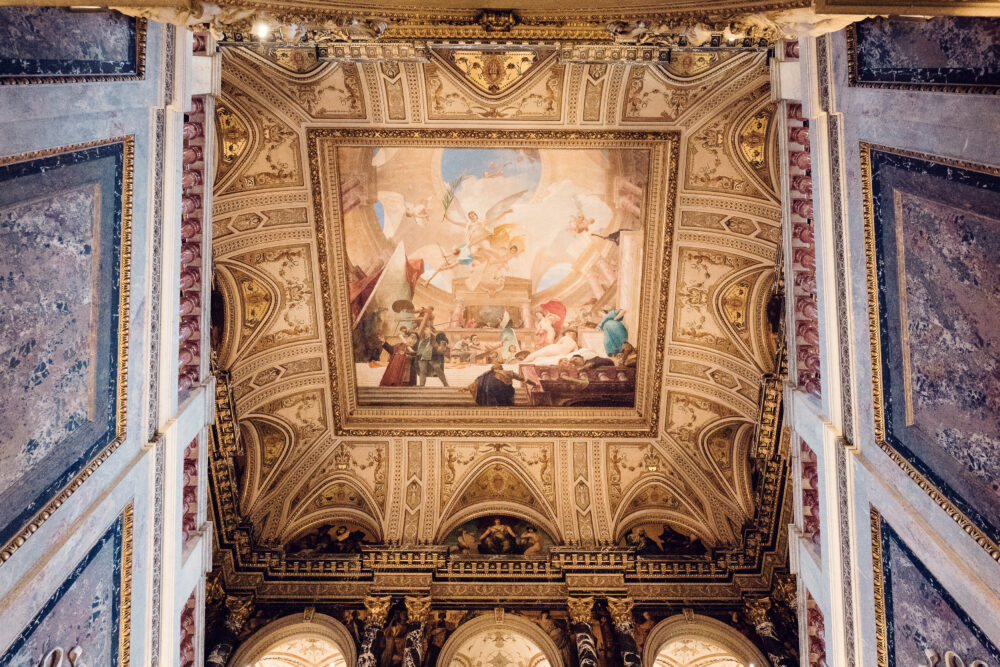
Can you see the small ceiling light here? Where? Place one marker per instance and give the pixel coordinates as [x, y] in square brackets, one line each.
[261, 29]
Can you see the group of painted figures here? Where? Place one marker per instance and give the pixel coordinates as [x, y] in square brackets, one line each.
[422, 351]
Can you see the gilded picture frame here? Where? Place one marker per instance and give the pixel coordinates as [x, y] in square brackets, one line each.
[118, 538]
[94, 452]
[358, 420]
[946, 498]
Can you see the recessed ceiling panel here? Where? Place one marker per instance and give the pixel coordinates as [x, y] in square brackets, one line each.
[493, 277]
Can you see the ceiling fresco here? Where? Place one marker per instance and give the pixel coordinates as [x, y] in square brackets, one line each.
[508, 222]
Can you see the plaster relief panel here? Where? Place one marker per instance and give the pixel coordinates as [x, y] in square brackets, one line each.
[699, 274]
[289, 271]
[714, 155]
[273, 159]
[538, 97]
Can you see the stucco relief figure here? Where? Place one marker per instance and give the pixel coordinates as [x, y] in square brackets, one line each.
[556, 630]
[395, 642]
[513, 243]
[497, 539]
[329, 540]
[667, 542]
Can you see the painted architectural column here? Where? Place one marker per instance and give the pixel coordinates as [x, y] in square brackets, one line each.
[417, 611]
[621, 615]
[377, 609]
[225, 640]
[581, 615]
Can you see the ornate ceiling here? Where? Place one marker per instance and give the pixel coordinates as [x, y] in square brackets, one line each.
[696, 451]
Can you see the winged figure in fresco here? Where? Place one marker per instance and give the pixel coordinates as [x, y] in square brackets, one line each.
[397, 209]
[489, 246]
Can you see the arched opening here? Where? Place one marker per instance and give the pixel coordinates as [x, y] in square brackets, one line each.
[692, 640]
[296, 642]
[507, 640]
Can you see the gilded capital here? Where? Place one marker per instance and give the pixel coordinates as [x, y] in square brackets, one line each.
[756, 610]
[239, 609]
[580, 609]
[418, 609]
[621, 611]
[377, 608]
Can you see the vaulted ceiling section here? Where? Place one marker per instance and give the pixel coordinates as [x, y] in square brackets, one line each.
[701, 449]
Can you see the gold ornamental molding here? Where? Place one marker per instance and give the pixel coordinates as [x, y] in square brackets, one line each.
[874, 333]
[881, 634]
[522, 14]
[125, 612]
[352, 419]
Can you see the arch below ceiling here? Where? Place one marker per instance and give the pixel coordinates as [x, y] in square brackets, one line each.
[256, 454]
[331, 515]
[697, 627]
[366, 513]
[293, 627]
[240, 336]
[685, 513]
[498, 508]
[522, 483]
[490, 624]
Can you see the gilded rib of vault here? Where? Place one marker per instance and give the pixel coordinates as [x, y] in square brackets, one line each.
[710, 460]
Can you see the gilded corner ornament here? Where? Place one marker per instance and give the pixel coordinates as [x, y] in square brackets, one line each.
[497, 20]
[239, 608]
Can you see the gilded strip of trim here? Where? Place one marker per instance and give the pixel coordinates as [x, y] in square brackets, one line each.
[124, 294]
[874, 333]
[125, 611]
[881, 634]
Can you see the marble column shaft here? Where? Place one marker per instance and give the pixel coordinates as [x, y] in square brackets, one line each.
[366, 657]
[627, 647]
[413, 654]
[586, 645]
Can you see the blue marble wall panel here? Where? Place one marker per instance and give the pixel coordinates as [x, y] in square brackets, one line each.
[957, 54]
[56, 44]
[90, 609]
[936, 233]
[62, 220]
[920, 615]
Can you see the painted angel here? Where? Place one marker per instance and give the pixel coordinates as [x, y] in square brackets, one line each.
[397, 210]
[489, 246]
[477, 231]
